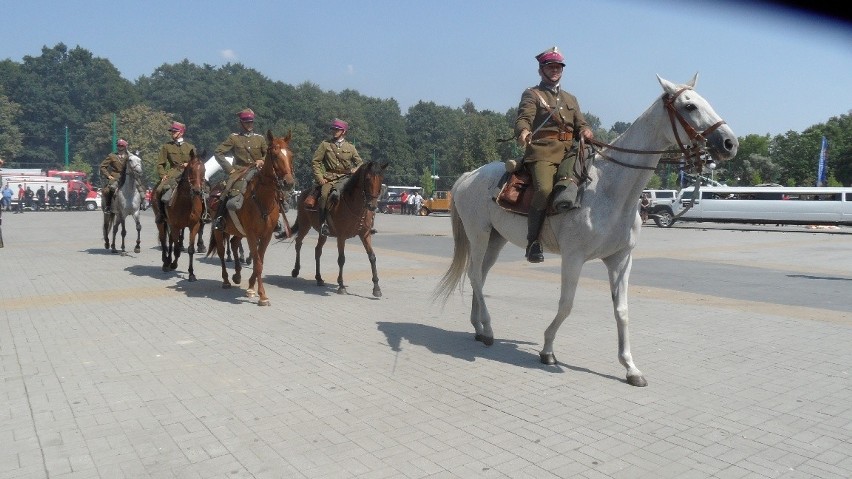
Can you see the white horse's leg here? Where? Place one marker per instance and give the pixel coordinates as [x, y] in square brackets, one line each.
[570, 277]
[476, 272]
[138, 248]
[618, 266]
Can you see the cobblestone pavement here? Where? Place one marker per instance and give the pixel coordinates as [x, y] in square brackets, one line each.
[111, 368]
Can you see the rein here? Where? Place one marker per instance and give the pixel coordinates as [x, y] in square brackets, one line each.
[693, 155]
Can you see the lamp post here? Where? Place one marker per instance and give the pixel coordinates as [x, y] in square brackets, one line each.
[435, 176]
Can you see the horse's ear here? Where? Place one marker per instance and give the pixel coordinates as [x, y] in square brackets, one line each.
[289, 136]
[385, 165]
[668, 86]
[694, 80]
[269, 136]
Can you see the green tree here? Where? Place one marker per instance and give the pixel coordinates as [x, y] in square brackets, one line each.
[11, 138]
[62, 88]
[145, 131]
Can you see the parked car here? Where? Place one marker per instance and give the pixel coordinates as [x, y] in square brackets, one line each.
[390, 205]
[438, 203]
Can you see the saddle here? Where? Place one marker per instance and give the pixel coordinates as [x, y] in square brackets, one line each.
[516, 193]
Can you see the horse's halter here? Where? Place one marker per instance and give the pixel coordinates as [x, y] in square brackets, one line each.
[694, 155]
[698, 141]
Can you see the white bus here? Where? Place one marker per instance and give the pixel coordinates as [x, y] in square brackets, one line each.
[761, 205]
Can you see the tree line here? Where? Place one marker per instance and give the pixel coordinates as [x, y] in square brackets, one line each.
[60, 108]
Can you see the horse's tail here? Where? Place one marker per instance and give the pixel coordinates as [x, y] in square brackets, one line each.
[452, 279]
[211, 245]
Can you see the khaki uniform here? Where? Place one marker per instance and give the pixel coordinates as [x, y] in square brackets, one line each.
[333, 161]
[552, 141]
[246, 147]
[173, 157]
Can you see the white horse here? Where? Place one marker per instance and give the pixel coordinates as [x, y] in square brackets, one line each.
[606, 225]
[127, 202]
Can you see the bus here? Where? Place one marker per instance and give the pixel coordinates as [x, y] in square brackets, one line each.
[761, 205]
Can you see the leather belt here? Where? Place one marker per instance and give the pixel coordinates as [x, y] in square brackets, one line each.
[554, 135]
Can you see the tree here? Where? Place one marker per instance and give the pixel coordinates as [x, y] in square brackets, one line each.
[62, 88]
[143, 128]
[11, 139]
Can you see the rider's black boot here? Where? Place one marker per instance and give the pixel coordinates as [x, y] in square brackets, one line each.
[535, 220]
[219, 223]
[323, 221]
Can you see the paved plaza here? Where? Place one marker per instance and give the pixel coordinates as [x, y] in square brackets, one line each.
[111, 368]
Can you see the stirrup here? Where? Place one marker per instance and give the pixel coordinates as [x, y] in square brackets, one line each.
[324, 230]
[219, 224]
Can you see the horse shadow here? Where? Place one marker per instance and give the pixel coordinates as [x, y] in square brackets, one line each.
[309, 286]
[460, 345]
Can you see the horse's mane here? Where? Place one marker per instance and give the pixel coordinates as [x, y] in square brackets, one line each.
[357, 178]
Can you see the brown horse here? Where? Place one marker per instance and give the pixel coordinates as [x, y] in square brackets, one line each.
[352, 216]
[256, 219]
[183, 211]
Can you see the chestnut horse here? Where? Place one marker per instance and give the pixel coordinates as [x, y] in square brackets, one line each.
[353, 216]
[183, 210]
[256, 219]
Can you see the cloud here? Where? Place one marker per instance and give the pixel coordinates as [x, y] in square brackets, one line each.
[228, 54]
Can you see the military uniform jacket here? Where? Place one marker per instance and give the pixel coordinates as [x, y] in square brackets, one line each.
[534, 116]
[172, 157]
[334, 160]
[246, 149]
[112, 165]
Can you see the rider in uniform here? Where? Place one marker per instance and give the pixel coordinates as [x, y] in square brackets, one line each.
[248, 149]
[173, 158]
[549, 120]
[334, 160]
[111, 169]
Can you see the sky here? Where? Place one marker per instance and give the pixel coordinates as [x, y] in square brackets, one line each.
[765, 69]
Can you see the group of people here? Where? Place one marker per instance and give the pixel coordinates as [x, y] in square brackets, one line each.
[34, 200]
[334, 160]
[548, 125]
[410, 203]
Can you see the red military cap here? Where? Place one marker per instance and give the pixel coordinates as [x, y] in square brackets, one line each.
[550, 55]
[122, 143]
[338, 124]
[246, 115]
[177, 126]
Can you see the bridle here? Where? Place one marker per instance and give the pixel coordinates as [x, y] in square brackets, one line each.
[694, 156]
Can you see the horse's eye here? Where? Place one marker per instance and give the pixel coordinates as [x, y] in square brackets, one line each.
[690, 107]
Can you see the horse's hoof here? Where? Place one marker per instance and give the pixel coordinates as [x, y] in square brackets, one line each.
[341, 290]
[478, 337]
[547, 358]
[263, 302]
[165, 268]
[201, 250]
[137, 250]
[320, 282]
[192, 278]
[377, 292]
[106, 245]
[114, 251]
[638, 381]
[173, 266]
[236, 278]
[486, 340]
[226, 285]
[294, 273]
[250, 293]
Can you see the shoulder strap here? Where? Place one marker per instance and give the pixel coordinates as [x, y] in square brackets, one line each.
[549, 110]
